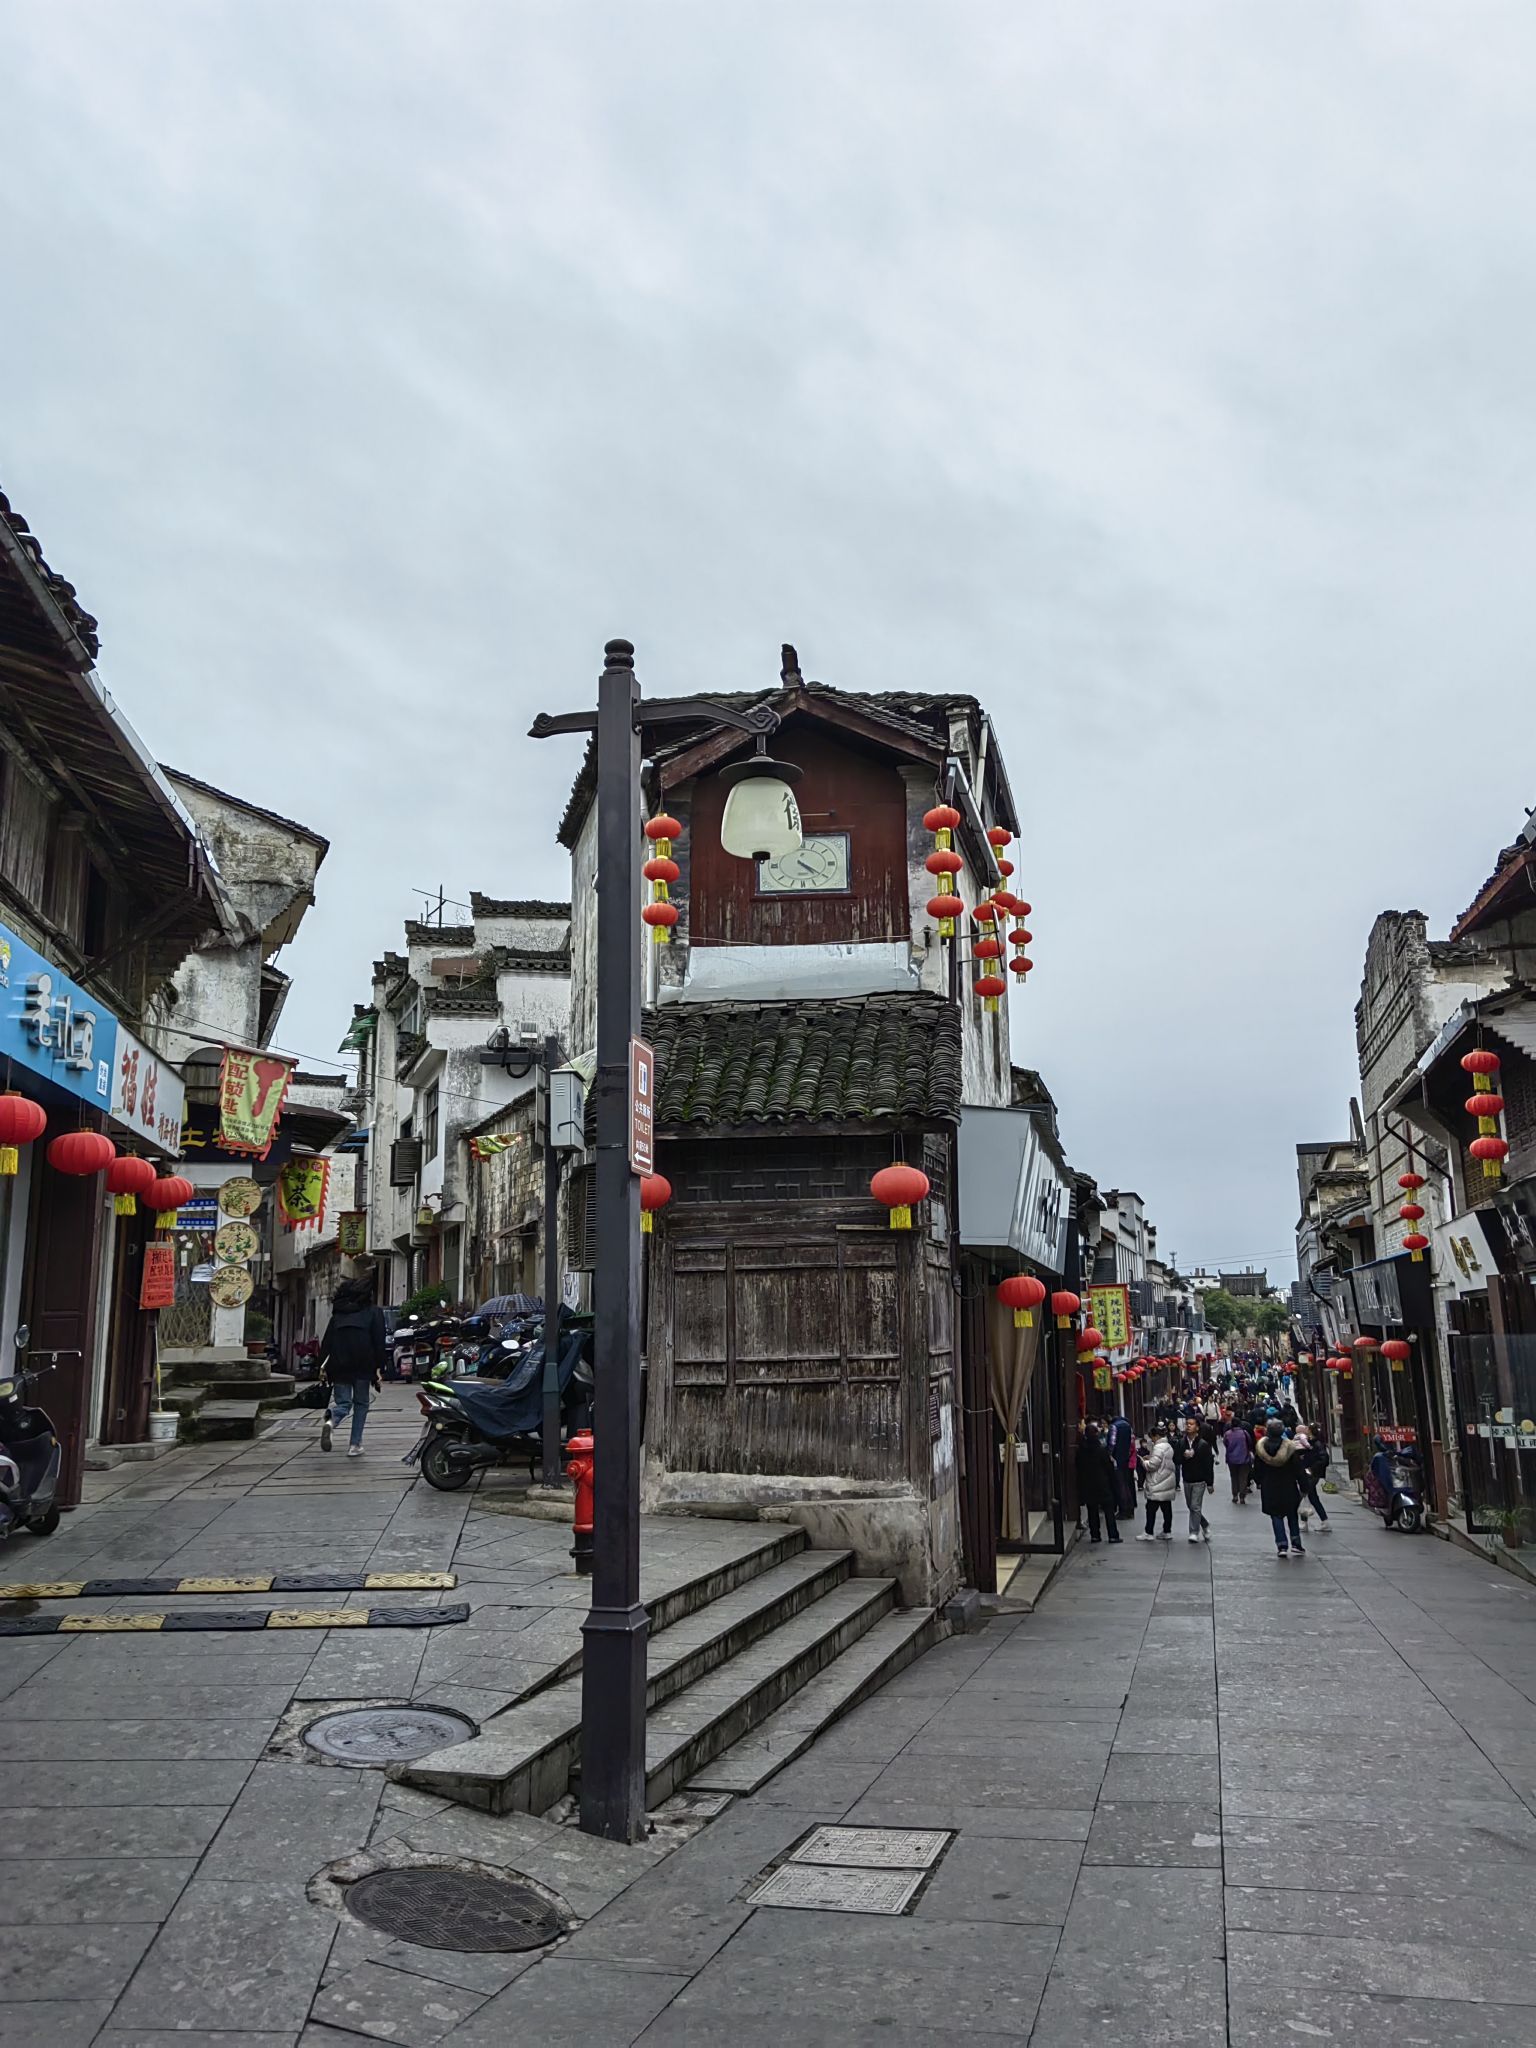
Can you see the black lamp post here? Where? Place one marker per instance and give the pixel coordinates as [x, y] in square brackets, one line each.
[617, 1627]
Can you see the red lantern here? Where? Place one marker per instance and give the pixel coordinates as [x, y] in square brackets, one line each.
[21, 1122]
[662, 830]
[1411, 1212]
[943, 862]
[660, 917]
[999, 836]
[901, 1188]
[1480, 1062]
[1064, 1307]
[1491, 1151]
[1397, 1352]
[985, 911]
[988, 949]
[1482, 1106]
[662, 872]
[81, 1153]
[655, 1193]
[1020, 964]
[1363, 1344]
[941, 821]
[1023, 1293]
[166, 1197]
[1410, 1180]
[1416, 1244]
[989, 988]
[1090, 1339]
[1004, 867]
[127, 1179]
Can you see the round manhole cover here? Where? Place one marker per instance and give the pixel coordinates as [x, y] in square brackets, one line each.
[453, 1909]
[385, 1735]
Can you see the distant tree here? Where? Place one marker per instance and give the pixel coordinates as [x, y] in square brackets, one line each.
[1224, 1313]
[1270, 1318]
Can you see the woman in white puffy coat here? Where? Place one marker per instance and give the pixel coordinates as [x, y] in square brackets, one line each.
[1162, 1483]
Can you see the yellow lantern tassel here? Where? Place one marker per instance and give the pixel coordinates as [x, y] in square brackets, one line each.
[646, 1226]
[166, 1220]
[661, 935]
[125, 1205]
[1023, 1319]
[10, 1161]
[1488, 1126]
[991, 1002]
[943, 839]
[659, 892]
[901, 1218]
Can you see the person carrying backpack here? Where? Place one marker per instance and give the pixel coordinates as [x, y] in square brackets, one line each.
[353, 1355]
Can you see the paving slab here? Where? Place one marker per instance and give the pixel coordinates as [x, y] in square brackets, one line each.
[232, 1955]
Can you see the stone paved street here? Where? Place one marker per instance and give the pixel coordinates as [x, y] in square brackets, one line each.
[1199, 1796]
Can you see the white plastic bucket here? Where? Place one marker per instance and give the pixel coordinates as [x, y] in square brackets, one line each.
[163, 1424]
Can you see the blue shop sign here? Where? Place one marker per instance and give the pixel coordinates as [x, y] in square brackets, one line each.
[49, 1024]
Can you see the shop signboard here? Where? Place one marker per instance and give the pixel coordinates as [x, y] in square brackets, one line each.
[1110, 1308]
[1378, 1303]
[50, 1026]
[148, 1097]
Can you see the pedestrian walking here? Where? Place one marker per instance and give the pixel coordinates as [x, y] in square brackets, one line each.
[1097, 1483]
[1197, 1472]
[1122, 1451]
[1162, 1483]
[353, 1355]
[1314, 1464]
[1239, 1451]
[1278, 1463]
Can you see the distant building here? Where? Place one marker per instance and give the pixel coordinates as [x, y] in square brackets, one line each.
[1249, 1285]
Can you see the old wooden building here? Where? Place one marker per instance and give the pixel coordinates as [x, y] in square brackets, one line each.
[811, 1026]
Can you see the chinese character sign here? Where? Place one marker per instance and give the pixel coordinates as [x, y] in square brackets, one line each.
[51, 1026]
[157, 1280]
[147, 1095]
[251, 1090]
[352, 1233]
[1111, 1311]
[301, 1186]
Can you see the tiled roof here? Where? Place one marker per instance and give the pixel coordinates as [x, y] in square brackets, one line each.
[500, 906]
[76, 617]
[880, 1060]
[475, 1001]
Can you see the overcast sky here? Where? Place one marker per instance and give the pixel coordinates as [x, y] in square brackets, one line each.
[1162, 373]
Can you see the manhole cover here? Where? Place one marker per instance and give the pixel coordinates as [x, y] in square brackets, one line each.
[837, 1891]
[453, 1909]
[385, 1735]
[875, 1848]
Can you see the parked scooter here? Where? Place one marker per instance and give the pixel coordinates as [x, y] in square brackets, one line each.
[471, 1425]
[30, 1455]
[1394, 1487]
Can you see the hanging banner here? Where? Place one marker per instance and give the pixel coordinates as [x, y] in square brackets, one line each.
[252, 1086]
[301, 1186]
[157, 1281]
[488, 1146]
[352, 1233]
[1102, 1378]
[1110, 1308]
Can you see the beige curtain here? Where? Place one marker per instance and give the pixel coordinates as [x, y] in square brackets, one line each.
[1011, 1356]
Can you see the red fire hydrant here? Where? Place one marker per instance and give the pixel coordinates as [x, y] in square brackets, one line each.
[579, 1462]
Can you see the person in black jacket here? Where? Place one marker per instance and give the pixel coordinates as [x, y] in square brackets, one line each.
[1197, 1470]
[353, 1355]
[1277, 1462]
[1097, 1486]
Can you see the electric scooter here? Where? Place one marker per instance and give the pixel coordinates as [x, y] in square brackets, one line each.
[30, 1455]
[1394, 1488]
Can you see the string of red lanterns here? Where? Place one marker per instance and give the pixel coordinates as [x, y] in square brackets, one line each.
[661, 871]
[944, 864]
[1487, 1105]
[1415, 1243]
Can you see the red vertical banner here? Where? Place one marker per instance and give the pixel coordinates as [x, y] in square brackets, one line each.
[157, 1283]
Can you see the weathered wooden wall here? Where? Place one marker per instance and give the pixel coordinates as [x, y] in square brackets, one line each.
[845, 790]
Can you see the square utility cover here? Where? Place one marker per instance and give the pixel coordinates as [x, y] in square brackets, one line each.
[837, 1890]
[875, 1848]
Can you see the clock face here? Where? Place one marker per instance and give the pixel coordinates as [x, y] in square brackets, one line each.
[819, 867]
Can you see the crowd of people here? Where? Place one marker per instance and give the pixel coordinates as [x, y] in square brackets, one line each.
[1245, 1419]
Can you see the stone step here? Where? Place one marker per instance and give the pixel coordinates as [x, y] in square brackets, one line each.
[185, 1400]
[223, 1420]
[267, 1386]
[893, 1643]
[717, 1712]
[523, 1759]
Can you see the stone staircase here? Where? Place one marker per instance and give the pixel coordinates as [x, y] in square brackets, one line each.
[222, 1394]
[735, 1688]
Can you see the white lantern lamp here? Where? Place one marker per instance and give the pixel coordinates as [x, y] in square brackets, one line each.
[762, 818]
